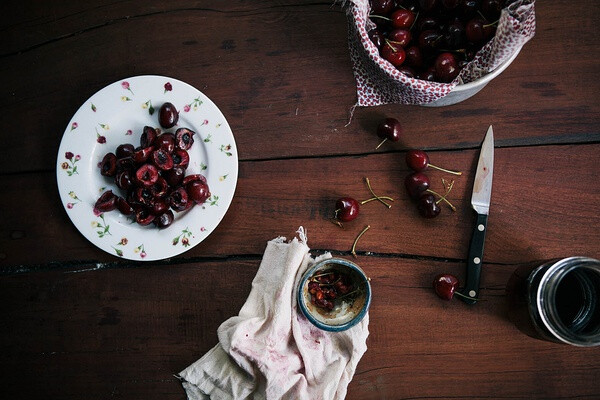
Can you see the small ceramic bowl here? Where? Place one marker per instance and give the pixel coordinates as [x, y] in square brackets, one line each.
[348, 309]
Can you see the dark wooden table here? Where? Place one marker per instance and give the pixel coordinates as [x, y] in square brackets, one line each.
[77, 322]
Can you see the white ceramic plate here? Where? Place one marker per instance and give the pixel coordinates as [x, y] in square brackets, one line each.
[116, 115]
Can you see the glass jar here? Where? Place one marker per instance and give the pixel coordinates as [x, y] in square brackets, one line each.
[558, 300]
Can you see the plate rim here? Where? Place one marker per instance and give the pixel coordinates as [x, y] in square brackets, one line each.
[225, 202]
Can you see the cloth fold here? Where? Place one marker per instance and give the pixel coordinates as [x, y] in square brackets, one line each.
[270, 350]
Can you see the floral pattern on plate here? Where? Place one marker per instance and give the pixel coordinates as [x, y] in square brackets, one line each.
[113, 116]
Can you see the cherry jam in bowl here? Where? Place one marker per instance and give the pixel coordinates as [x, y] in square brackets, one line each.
[334, 294]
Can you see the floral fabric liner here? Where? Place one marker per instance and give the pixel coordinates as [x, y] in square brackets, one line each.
[379, 82]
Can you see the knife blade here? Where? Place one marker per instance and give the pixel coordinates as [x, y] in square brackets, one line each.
[480, 201]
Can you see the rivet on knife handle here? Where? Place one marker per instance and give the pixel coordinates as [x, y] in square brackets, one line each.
[474, 261]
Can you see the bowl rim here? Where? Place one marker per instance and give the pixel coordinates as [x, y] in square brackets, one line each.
[485, 79]
[301, 299]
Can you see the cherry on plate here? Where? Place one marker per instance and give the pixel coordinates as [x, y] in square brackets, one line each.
[168, 115]
[106, 202]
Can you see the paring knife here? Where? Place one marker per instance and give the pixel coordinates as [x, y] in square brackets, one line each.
[480, 201]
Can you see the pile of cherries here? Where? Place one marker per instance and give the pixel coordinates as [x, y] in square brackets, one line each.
[327, 286]
[417, 184]
[432, 39]
[152, 175]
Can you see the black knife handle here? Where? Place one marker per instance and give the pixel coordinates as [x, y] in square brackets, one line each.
[471, 289]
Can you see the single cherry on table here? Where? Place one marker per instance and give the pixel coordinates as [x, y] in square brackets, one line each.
[418, 160]
[389, 129]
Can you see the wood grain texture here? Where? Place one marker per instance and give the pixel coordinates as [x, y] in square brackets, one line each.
[80, 323]
[536, 213]
[275, 76]
[123, 333]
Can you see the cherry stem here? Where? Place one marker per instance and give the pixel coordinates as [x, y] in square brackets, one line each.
[442, 198]
[394, 49]
[379, 16]
[377, 197]
[462, 51]
[353, 251]
[414, 22]
[444, 170]
[492, 23]
[464, 296]
[335, 220]
[382, 142]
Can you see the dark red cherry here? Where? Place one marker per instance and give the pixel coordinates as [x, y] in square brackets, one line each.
[454, 35]
[417, 160]
[181, 159]
[346, 209]
[381, 7]
[428, 40]
[446, 68]
[416, 184]
[164, 220]
[184, 138]
[124, 207]
[491, 9]
[147, 175]
[427, 74]
[401, 37]
[445, 286]
[160, 189]
[377, 38]
[477, 31]
[428, 5]
[390, 129]
[166, 141]
[414, 57]
[162, 159]
[125, 150]
[408, 71]
[148, 137]
[168, 115]
[144, 217]
[143, 195]
[428, 206]
[123, 179]
[108, 165]
[198, 191]
[125, 164]
[179, 199]
[394, 53]
[427, 23]
[402, 19]
[159, 206]
[469, 8]
[175, 176]
[106, 202]
[141, 154]
[194, 178]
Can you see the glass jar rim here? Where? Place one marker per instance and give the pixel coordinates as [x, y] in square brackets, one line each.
[546, 300]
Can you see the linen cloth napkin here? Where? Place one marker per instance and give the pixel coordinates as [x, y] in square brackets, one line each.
[270, 350]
